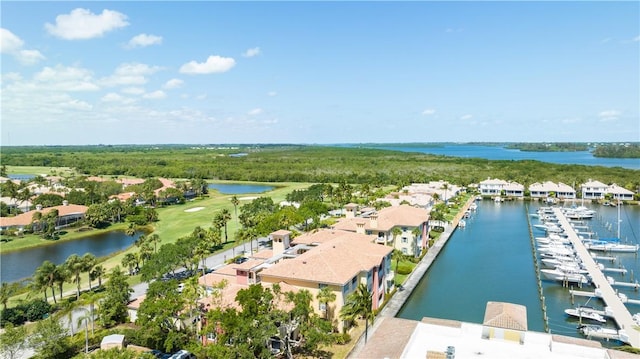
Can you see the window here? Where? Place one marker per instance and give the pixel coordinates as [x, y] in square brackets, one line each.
[405, 240]
[404, 251]
[322, 285]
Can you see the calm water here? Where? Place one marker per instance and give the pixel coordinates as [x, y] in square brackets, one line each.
[501, 153]
[491, 260]
[238, 188]
[22, 264]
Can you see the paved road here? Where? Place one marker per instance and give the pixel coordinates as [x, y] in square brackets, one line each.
[215, 261]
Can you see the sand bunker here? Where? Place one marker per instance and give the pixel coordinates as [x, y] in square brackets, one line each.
[195, 209]
[247, 198]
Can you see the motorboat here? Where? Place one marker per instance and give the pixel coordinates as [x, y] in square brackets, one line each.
[564, 276]
[586, 313]
[598, 331]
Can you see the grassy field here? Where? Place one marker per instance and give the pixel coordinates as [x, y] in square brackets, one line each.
[40, 170]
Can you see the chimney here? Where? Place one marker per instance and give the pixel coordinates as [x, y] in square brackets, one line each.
[38, 207]
[280, 241]
[65, 203]
[373, 220]
[360, 227]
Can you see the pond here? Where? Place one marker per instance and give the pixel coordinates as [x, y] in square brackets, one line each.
[15, 266]
[239, 188]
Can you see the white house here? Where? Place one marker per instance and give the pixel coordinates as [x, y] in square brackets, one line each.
[620, 193]
[593, 189]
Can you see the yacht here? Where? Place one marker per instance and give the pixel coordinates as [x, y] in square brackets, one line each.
[586, 313]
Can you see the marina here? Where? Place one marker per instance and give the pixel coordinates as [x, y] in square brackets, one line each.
[479, 259]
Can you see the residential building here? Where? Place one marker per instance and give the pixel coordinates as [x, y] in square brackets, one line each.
[67, 215]
[498, 187]
[593, 189]
[339, 260]
[551, 189]
[383, 225]
[619, 193]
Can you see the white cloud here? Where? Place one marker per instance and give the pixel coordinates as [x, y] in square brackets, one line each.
[201, 97]
[214, 64]
[255, 51]
[82, 24]
[428, 112]
[9, 43]
[144, 40]
[173, 84]
[272, 93]
[637, 38]
[62, 78]
[609, 115]
[254, 112]
[12, 45]
[155, 95]
[133, 90]
[111, 97]
[130, 74]
[466, 117]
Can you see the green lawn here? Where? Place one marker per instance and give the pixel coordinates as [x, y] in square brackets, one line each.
[40, 170]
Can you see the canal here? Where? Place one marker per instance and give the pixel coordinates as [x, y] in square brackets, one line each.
[15, 266]
[491, 259]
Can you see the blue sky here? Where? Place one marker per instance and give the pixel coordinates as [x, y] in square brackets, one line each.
[318, 72]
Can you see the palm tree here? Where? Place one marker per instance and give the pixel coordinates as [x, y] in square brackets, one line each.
[36, 220]
[218, 222]
[397, 255]
[6, 291]
[416, 232]
[46, 276]
[358, 305]
[97, 273]
[326, 296]
[140, 241]
[155, 239]
[395, 232]
[225, 217]
[76, 266]
[130, 261]
[62, 276]
[91, 298]
[202, 249]
[131, 230]
[235, 201]
[89, 261]
[145, 251]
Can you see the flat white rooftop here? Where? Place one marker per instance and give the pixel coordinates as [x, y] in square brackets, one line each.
[402, 338]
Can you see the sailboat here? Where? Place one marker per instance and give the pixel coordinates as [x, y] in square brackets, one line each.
[612, 245]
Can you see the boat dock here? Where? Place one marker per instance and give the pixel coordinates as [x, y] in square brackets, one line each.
[621, 316]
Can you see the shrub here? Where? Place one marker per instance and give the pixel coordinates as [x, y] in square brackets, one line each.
[403, 269]
[14, 316]
[37, 309]
[342, 338]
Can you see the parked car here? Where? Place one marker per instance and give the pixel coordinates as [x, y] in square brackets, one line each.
[183, 354]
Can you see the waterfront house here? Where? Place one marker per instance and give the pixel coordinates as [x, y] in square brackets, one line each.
[497, 187]
[593, 189]
[383, 226]
[491, 187]
[67, 215]
[619, 193]
[550, 189]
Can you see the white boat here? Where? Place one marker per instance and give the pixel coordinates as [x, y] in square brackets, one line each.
[585, 313]
[473, 206]
[598, 331]
[562, 276]
[462, 223]
[612, 247]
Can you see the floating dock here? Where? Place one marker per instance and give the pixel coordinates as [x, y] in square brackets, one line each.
[621, 316]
